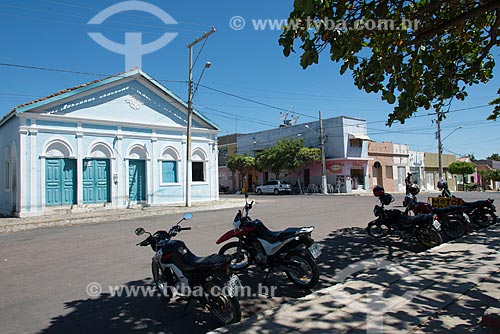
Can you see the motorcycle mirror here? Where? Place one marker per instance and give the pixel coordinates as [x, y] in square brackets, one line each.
[139, 231]
[187, 216]
[246, 195]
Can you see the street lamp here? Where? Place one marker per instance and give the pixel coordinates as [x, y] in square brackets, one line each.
[190, 113]
[440, 148]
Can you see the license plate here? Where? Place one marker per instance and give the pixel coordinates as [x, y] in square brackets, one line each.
[233, 286]
[315, 251]
[437, 225]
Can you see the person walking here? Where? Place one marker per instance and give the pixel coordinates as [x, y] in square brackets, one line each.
[408, 182]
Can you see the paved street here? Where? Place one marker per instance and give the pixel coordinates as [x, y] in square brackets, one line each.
[44, 273]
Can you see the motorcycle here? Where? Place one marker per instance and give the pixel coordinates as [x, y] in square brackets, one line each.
[425, 227]
[291, 250]
[480, 213]
[451, 218]
[176, 270]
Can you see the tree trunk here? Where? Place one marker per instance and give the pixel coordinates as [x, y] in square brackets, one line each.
[300, 186]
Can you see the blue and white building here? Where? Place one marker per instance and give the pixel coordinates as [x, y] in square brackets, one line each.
[346, 151]
[115, 142]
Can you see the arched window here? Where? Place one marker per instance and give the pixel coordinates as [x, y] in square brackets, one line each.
[138, 152]
[58, 148]
[198, 165]
[100, 150]
[169, 165]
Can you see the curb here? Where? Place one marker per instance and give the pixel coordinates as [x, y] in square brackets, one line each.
[97, 216]
[490, 319]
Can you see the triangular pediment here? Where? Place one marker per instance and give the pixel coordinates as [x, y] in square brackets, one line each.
[129, 100]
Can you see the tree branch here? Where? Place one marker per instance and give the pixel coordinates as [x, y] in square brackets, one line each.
[474, 67]
[434, 30]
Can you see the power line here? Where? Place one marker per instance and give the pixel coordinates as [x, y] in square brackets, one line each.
[361, 123]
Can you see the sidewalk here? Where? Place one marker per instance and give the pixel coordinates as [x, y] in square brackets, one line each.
[447, 289]
[98, 215]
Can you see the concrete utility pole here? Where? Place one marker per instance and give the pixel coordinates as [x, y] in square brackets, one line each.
[440, 147]
[440, 143]
[190, 116]
[324, 184]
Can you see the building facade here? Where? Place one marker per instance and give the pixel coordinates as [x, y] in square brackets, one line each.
[346, 151]
[431, 168]
[417, 168]
[227, 147]
[115, 142]
[488, 165]
[382, 165]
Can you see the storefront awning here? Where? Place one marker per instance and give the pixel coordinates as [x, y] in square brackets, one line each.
[358, 136]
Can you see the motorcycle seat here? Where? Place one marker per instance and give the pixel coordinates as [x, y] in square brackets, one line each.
[477, 204]
[415, 220]
[206, 263]
[449, 209]
[275, 236]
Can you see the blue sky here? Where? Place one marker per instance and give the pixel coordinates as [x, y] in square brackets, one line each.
[247, 63]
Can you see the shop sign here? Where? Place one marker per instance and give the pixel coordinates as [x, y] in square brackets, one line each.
[442, 202]
[335, 168]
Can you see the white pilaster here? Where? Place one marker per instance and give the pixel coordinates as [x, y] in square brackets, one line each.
[79, 165]
[154, 167]
[34, 180]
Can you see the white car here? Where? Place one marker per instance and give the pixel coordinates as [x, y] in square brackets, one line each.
[274, 187]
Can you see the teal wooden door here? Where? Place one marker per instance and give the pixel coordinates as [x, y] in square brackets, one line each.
[60, 181]
[137, 180]
[96, 181]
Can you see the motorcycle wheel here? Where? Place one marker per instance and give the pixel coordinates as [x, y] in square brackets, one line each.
[226, 309]
[303, 271]
[378, 229]
[453, 227]
[160, 282]
[429, 237]
[483, 218]
[239, 260]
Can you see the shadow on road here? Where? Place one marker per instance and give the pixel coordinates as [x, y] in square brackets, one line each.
[143, 314]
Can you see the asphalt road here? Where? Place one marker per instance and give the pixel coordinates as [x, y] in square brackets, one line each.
[44, 273]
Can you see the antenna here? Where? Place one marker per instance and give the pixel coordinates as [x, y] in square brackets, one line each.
[293, 120]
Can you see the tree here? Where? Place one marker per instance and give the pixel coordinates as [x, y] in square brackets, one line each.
[494, 156]
[462, 168]
[287, 154]
[298, 157]
[415, 54]
[489, 175]
[268, 160]
[241, 163]
[496, 112]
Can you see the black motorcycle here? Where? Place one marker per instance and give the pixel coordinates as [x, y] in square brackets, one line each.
[452, 219]
[177, 271]
[392, 221]
[480, 213]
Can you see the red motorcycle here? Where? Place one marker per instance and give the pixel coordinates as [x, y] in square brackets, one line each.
[291, 250]
[453, 222]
